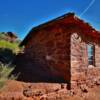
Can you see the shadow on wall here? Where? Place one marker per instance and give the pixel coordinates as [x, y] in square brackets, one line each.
[29, 71]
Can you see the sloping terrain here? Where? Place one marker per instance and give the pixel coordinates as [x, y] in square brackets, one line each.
[8, 49]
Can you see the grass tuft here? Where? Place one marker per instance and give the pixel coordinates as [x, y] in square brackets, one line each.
[5, 71]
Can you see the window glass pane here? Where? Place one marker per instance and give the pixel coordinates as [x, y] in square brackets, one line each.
[90, 49]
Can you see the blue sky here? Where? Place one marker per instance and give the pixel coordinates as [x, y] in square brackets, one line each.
[20, 16]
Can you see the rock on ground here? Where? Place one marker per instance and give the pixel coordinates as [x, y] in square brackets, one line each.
[14, 90]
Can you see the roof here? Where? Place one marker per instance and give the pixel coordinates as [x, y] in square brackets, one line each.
[71, 18]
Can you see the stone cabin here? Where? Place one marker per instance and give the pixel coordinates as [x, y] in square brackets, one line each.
[66, 49]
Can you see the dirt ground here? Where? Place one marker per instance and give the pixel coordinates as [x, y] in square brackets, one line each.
[14, 90]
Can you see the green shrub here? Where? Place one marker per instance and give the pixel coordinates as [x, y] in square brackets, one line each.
[5, 71]
[12, 46]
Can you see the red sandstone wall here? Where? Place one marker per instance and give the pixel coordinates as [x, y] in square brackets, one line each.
[97, 55]
[61, 56]
[81, 72]
[51, 50]
[78, 59]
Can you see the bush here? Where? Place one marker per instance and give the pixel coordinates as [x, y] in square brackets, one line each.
[12, 46]
[5, 71]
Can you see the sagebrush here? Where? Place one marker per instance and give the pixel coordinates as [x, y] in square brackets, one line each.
[5, 71]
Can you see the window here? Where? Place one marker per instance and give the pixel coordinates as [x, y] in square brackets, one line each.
[91, 54]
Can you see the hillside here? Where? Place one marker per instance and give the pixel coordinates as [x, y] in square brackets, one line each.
[8, 47]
